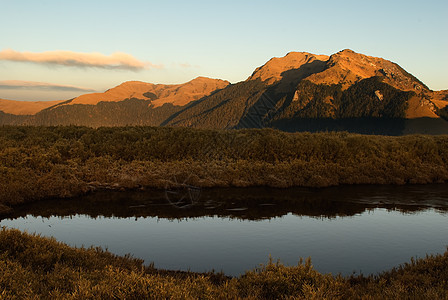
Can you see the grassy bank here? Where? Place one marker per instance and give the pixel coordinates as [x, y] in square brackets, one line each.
[33, 267]
[43, 162]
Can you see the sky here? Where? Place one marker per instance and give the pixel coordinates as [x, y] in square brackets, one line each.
[56, 50]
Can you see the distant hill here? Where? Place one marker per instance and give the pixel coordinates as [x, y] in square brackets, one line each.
[298, 92]
[156, 94]
[25, 107]
[130, 103]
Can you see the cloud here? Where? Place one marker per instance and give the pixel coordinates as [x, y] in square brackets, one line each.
[186, 65]
[34, 85]
[117, 60]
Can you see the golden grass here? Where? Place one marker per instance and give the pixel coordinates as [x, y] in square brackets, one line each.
[33, 267]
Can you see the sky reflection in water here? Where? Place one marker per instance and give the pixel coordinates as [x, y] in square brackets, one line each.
[350, 236]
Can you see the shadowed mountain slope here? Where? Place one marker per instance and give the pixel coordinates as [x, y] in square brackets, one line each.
[298, 92]
[306, 92]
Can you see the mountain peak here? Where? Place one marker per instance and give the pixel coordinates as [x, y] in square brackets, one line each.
[275, 68]
[207, 80]
[182, 94]
[347, 51]
[132, 83]
[348, 67]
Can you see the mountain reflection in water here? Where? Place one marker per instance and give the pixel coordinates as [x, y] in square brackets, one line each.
[247, 203]
[343, 229]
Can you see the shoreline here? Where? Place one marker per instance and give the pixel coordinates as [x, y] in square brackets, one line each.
[67, 272]
[6, 210]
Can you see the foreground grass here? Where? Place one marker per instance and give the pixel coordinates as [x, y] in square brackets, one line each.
[44, 162]
[33, 267]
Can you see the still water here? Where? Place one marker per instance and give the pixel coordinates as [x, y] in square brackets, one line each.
[343, 230]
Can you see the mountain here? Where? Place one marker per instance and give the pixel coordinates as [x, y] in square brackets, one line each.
[25, 107]
[306, 92]
[17, 112]
[130, 103]
[298, 92]
[289, 67]
[157, 94]
[244, 103]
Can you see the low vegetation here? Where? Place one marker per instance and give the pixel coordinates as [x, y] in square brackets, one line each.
[443, 113]
[34, 267]
[46, 162]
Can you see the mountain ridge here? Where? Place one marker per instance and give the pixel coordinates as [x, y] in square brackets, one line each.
[19, 108]
[285, 90]
[158, 94]
[354, 86]
[272, 70]
[348, 67]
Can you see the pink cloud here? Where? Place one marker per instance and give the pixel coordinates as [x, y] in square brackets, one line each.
[34, 85]
[117, 60]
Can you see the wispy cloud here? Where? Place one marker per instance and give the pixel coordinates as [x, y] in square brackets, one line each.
[117, 60]
[34, 85]
[186, 65]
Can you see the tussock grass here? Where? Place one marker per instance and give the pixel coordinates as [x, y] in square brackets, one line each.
[33, 267]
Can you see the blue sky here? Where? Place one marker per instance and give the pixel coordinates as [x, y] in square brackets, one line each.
[218, 39]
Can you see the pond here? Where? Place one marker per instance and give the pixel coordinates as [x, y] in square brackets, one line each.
[345, 230]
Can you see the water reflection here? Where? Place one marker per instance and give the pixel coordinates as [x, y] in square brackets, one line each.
[343, 229]
[248, 203]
